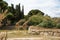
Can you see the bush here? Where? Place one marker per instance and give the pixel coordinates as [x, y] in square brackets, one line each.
[58, 25]
[35, 20]
[47, 24]
[26, 17]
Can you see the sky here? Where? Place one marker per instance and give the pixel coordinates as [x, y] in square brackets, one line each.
[50, 7]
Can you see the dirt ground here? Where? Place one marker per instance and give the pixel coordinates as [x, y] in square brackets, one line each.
[23, 35]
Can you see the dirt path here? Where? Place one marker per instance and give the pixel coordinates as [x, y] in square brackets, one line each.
[41, 38]
[24, 39]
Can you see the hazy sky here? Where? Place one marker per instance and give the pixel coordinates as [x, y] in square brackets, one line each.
[50, 7]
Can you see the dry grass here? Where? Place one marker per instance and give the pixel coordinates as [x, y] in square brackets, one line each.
[24, 34]
[18, 33]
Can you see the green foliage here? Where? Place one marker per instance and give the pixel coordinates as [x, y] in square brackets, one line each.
[47, 24]
[22, 12]
[26, 17]
[57, 20]
[42, 21]
[34, 12]
[16, 12]
[10, 15]
[58, 25]
[35, 19]
[11, 9]
[3, 5]
[1, 0]
[19, 14]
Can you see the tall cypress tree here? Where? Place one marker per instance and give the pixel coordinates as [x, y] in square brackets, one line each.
[18, 12]
[19, 8]
[22, 11]
[12, 8]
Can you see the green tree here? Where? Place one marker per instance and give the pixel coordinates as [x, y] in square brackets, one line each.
[12, 10]
[3, 5]
[34, 12]
[10, 17]
[19, 14]
[22, 12]
[1, 0]
[47, 22]
[35, 19]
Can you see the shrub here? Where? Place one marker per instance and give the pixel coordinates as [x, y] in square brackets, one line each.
[47, 24]
[35, 20]
[26, 17]
[58, 25]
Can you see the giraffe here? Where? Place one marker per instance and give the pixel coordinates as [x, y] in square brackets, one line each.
[25, 25]
[2, 16]
[17, 25]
